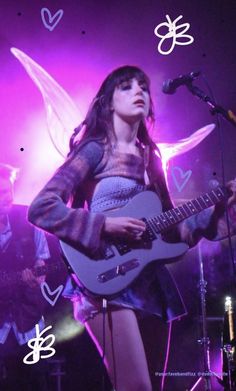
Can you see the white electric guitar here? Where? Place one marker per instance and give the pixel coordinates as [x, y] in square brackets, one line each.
[118, 262]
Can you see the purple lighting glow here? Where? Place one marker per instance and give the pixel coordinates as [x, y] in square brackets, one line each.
[54, 57]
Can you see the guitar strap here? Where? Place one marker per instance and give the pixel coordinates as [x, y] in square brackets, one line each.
[153, 167]
[146, 163]
[155, 173]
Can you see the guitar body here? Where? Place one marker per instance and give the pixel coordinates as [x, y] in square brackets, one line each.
[121, 263]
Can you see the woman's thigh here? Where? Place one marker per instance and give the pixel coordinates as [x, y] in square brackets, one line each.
[124, 352]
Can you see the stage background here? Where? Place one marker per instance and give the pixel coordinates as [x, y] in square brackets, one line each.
[91, 39]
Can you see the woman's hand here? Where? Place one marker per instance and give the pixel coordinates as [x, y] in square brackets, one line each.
[126, 227]
[231, 186]
[30, 279]
[220, 207]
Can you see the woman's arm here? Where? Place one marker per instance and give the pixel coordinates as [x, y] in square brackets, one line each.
[207, 223]
[193, 229]
[49, 209]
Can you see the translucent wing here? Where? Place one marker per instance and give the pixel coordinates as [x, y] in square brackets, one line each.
[62, 114]
[12, 172]
[171, 150]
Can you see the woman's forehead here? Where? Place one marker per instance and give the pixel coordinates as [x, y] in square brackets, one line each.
[139, 79]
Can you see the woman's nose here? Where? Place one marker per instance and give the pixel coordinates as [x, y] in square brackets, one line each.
[138, 90]
[137, 87]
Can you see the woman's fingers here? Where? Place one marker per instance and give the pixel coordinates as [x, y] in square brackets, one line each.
[124, 226]
[137, 222]
[135, 230]
[232, 187]
[136, 225]
[29, 278]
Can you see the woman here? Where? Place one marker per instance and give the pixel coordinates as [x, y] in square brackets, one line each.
[114, 160]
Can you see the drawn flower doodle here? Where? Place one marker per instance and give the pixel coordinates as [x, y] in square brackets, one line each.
[172, 33]
[39, 344]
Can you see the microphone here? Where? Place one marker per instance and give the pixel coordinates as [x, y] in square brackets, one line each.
[170, 86]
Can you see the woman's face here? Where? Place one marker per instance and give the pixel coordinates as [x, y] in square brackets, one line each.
[131, 100]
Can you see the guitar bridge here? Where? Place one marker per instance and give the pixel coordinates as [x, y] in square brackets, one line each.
[119, 270]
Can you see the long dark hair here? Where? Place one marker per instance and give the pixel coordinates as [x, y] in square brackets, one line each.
[98, 121]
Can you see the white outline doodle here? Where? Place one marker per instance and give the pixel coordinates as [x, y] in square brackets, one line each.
[173, 34]
[36, 344]
[51, 18]
[183, 175]
[48, 291]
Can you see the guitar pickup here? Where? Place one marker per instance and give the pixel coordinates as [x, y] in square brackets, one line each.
[108, 252]
[123, 248]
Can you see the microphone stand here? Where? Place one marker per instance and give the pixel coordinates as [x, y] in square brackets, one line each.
[214, 108]
[230, 117]
[204, 341]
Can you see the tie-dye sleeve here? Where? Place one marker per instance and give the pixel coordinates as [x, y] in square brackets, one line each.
[49, 209]
[204, 224]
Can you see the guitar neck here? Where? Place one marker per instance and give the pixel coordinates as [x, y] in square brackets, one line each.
[9, 278]
[49, 267]
[167, 219]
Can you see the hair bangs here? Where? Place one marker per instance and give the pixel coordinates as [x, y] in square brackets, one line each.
[127, 73]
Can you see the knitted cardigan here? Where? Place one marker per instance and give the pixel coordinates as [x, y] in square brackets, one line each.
[60, 209]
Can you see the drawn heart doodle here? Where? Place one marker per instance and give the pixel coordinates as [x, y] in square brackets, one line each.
[46, 292]
[49, 23]
[182, 177]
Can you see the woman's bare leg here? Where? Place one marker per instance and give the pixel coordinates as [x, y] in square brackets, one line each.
[154, 334]
[124, 352]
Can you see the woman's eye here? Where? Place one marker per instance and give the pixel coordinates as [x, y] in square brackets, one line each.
[144, 87]
[125, 86]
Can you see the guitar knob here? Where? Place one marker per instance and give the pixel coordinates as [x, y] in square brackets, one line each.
[102, 278]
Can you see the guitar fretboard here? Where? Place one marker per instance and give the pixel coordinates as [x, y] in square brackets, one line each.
[8, 278]
[173, 216]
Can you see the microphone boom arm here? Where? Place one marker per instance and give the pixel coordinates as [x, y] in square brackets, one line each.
[214, 108]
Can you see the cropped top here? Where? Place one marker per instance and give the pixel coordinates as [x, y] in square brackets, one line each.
[114, 192]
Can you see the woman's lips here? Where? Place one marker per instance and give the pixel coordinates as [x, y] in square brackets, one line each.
[139, 102]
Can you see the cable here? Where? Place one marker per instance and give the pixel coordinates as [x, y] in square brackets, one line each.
[113, 352]
[167, 356]
[104, 311]
[220, 136]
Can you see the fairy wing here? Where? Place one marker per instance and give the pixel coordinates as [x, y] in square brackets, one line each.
[171, 150]
[63, 115]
